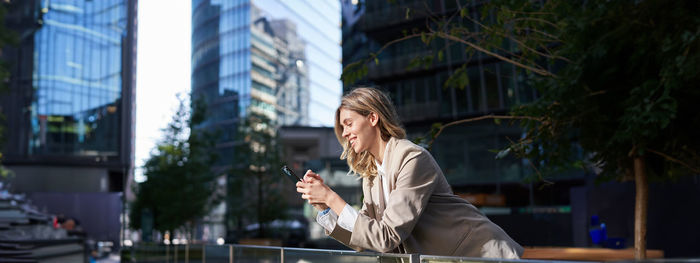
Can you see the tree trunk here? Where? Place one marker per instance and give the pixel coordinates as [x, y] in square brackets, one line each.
[640, 208]
[261, 230]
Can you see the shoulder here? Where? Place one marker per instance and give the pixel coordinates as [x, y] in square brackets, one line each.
[409, 157]
[403, 150]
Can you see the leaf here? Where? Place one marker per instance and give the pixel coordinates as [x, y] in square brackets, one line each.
[434, 129]
[503, 153]
[497, 121]
[408, 13]
[458, 79]
[415, 62]
[440, 56]
[427, 61]
[464, 12]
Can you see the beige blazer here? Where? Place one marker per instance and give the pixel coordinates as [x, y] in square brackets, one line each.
[422, 215]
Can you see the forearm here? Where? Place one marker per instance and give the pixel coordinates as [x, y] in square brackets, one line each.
[335, 202]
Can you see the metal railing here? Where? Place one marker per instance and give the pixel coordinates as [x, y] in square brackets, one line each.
[199, 253]
[203, 253]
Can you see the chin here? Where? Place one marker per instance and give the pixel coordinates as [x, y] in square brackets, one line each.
[355, 149]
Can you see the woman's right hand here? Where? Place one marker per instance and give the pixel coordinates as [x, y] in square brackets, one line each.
[310, 177]
[316, 192]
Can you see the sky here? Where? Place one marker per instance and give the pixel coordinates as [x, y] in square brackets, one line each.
[163, 70]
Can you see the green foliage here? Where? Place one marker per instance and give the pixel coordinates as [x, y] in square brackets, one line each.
[616, 79]
[354, 72]
[459, 79]
[180, 186]
[629, 90]
[254, 193]
[6, 37]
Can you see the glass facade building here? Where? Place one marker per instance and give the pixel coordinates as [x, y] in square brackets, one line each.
[276, 58]
[78, 80]
[462, 151]
[72, 84]
[69, 111]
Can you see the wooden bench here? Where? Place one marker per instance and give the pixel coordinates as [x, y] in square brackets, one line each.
[585, 254]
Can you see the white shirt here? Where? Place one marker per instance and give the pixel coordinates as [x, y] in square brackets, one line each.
[348, 216]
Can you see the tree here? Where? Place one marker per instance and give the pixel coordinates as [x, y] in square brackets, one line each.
[6, 37]
[180, 187]
[254, 192]
[617, 78]
[626, 97]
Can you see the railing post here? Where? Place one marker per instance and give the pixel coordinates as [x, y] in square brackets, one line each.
[175, 253]
[415, 258]
[204, 253]
[187, 252]
[230, 253]
[281, 255]
[167, 253]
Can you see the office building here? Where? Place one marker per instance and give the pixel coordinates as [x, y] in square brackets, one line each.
[70, 106]
[420, 96]
[280, 59]
[267, 57]
[464, 152]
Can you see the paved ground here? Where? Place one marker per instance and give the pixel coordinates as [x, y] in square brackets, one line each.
[113, 258]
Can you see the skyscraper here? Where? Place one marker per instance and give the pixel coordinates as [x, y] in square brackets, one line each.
[276, 58]
[70, 108]
[267, 57]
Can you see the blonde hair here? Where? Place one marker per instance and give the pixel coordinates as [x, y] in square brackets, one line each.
[365, 101]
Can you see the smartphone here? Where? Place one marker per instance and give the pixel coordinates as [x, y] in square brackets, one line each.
[290, 174]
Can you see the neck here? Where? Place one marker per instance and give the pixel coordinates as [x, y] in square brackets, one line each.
[378, 150]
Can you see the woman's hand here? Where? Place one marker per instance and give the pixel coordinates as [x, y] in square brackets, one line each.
[313, 189]
[309, 177]
[318, 194]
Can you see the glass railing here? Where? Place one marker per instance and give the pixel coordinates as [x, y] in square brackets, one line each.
[444, 259]
[199, 253]
[247, 253]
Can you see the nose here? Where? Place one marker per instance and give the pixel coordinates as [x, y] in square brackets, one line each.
[345, 133]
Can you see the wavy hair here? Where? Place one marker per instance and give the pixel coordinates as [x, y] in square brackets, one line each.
[365, 101]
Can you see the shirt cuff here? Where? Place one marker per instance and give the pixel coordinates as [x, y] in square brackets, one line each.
[347, 218]
[327, 219]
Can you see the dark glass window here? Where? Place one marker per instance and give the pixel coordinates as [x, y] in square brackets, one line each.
[493, 92]
[76, 109]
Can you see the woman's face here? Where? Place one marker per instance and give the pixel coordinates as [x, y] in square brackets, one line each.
[360, 131]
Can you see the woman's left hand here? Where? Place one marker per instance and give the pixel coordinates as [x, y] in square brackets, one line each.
[314, 191]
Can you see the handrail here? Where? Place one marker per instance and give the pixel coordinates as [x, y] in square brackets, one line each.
[206, 252]
[253, 253]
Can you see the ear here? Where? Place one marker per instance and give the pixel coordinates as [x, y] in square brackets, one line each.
[373, 118]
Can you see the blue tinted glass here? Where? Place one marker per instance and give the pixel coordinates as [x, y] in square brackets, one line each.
[77, 78]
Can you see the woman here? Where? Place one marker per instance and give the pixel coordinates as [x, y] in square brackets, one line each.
[408, 206]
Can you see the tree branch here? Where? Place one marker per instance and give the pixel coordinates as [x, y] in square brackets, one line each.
[375, 55]
[490, 30]
[539, 174]
[534, 19]
[693, 169]
[490, 116]
[479, 48]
